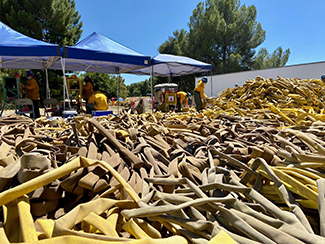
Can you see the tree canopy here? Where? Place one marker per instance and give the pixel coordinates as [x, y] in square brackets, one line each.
[264, 59]
[53, 21]
[225, 34]
[139, 89]
[176, 44]
[107, 84]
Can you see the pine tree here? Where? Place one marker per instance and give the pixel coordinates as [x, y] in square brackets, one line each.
[225, 34]
[264, 60]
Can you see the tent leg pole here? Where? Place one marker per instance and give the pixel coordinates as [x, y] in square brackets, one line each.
[118, 88]
[211, 84]
[118, 93]
[63, 71]
[65, 88]
[151, 87]
[47, 84]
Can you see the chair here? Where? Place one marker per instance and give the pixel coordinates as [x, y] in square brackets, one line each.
[22, 106]
[50, 105]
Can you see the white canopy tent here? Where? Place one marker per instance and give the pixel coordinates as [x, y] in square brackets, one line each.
[168, 65]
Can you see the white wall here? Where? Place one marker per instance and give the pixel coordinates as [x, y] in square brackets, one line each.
[218, 83]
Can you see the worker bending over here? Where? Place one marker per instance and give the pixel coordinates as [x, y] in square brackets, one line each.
[97, 101]
[182, 98]
[199, 94]
[32, 92]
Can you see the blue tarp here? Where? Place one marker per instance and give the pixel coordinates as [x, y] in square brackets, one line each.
[98, 53]
[18, 51]
[167, 65]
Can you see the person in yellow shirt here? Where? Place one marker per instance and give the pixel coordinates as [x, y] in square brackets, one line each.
[32, 92]
[97, 101]
[181, 99]
[199, 94]
[87, 89]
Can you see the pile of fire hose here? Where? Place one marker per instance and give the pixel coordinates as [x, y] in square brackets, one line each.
[226, 175]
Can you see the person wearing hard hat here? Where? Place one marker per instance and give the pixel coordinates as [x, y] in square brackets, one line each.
[97, 101]
[322, 78]
[181, 99]
[32, 92]
[199, 94]
[87, 89]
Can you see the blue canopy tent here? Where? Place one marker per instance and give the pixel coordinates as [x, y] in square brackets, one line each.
[168, 65]
[18, 51]
[98, 53]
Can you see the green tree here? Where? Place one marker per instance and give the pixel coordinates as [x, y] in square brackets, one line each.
[136, 92]
[264, 60]
[108, 84]
[139, 88]
[123, 89]
[3, 72]
[145, 87]
[225, 34]
[53, 21]
[185, 83]
[175, 44]
[131, 88]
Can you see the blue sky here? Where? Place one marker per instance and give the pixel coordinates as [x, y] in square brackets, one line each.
[144, 25]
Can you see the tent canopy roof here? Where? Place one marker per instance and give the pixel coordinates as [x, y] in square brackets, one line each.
[95, 53]
[101, 43]
[22, 52]
[98, 53]
[173, 65]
